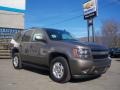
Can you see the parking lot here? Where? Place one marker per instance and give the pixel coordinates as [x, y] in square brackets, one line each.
[34, 79]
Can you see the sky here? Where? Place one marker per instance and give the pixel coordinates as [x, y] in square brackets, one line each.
[68, 15]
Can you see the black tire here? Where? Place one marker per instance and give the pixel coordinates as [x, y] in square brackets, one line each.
[66, 76]
[18, 64]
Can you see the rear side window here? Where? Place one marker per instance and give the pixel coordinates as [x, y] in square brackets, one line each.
[17, 36]
[27, 36]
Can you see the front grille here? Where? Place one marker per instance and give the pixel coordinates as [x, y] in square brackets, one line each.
[100, 56]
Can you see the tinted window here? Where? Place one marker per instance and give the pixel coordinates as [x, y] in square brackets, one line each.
[27, 36]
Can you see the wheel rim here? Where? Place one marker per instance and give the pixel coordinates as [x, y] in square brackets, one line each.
[15, 61]
[58, 70]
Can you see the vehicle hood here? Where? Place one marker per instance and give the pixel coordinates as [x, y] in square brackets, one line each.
[92, 46]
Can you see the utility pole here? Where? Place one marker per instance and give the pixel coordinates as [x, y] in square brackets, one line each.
[90, 26]
[90, 11]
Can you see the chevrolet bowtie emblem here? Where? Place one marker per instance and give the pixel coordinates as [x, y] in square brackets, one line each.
[88, 5]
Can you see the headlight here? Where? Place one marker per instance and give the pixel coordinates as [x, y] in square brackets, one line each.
[81, 53]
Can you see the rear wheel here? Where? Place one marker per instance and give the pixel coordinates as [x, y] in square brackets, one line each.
[16, 61]
[59, 70]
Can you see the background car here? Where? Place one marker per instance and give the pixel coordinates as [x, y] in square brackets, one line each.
[114, 52]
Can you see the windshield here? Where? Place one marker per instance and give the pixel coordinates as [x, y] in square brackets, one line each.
[59, 35]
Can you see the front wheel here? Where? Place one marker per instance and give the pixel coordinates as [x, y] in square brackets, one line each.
[59, 70]
[16, 61]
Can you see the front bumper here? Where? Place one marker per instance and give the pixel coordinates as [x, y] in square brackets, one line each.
[89, 67]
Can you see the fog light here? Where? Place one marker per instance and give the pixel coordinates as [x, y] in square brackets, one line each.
[96, 71]
[85, 71]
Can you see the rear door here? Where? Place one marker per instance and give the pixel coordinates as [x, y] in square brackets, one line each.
[25, 46]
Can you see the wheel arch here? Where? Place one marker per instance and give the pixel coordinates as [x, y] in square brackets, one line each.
[57, 54]
[14, 50]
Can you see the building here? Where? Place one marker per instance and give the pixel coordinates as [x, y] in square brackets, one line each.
[11, 17]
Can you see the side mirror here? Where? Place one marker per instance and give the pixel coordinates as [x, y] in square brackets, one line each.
[39, 37]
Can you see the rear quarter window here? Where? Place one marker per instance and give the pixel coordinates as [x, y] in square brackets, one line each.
[17, 36]
[27, 36]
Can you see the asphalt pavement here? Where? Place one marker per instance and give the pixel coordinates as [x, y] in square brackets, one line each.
[36, 79]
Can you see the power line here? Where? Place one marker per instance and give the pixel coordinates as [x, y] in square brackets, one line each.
[70, 11]
[59, 14]
[75, 17]
[66, 20]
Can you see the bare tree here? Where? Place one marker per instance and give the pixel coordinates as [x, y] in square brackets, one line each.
[98, 37]
[111, 33]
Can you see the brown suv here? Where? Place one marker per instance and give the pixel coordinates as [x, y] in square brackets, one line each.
[59, 52]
